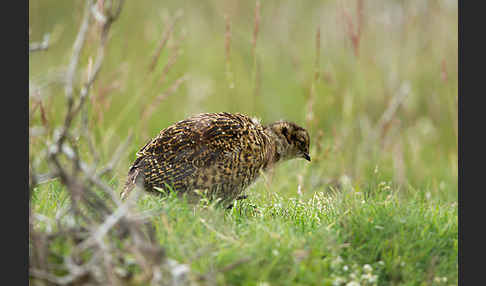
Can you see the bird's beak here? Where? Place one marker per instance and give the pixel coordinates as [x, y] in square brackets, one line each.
[307, 157]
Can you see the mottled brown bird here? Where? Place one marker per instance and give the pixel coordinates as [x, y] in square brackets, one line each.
[219, 153]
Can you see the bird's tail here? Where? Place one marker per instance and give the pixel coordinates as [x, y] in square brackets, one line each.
[135, 177]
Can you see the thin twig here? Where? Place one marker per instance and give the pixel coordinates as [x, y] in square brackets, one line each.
[116, 156]
[78, 45]
[103, 229]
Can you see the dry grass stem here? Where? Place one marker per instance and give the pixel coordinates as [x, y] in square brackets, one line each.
[163, 41]
[256, 28]
[227, 52]
[311, 121]
[256, 62]
[152, 106]
[354, 33]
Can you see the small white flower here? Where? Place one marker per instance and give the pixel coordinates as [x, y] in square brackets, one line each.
[367, 268]
[338, 281]
[369, 277]
[345, 268]
[353, 283]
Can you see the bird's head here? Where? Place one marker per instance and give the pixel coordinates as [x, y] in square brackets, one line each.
[292, 141]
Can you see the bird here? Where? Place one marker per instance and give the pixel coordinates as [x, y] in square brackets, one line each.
[220, 154]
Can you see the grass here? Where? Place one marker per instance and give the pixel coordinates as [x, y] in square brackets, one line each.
[325, 239]
[378, 210]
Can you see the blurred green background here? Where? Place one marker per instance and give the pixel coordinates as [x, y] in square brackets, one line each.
[406, 48]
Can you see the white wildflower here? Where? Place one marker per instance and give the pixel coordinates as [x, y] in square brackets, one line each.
[338, 281]
[367, 268]
[369, 277]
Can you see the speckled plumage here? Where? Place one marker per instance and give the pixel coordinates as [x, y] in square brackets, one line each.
[220, 153]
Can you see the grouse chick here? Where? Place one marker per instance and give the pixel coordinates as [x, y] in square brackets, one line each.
[220, 153]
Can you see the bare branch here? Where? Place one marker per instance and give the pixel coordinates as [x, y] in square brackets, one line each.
[103, 229]
[77, 47]
[116, 156]
[95, 221]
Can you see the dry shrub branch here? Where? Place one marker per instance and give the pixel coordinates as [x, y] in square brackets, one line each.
[107, 242]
